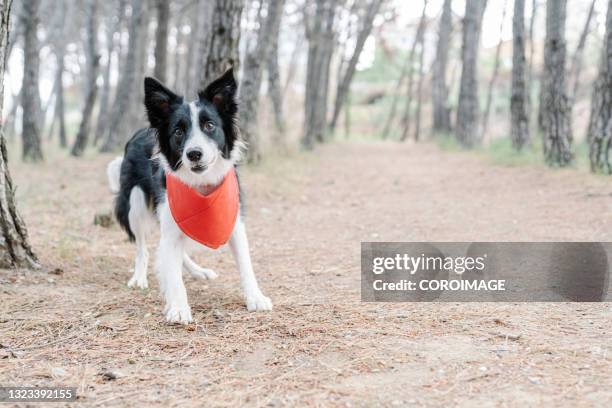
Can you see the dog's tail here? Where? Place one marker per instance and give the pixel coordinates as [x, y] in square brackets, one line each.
[113, 172]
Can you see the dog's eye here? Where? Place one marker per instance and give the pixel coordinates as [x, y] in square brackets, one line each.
[177, 134]
[209, 126]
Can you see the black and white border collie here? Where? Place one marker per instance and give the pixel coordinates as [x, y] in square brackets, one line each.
[197, 142]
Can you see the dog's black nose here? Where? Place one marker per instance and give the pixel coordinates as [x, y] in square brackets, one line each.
[194, 154]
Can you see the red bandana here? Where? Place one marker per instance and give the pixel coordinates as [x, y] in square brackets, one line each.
[207, 219]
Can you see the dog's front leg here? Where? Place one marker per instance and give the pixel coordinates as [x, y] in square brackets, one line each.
[239, 244]
[169, 269]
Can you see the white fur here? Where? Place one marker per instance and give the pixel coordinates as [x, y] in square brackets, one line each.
[113, 173]
[173, 244]
[140, 221]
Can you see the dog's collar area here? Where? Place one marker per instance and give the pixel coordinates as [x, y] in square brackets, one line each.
[206, 218]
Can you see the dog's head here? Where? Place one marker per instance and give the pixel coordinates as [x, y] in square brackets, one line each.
[198, 141]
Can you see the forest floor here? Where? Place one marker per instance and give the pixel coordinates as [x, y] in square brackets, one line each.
[75, 323]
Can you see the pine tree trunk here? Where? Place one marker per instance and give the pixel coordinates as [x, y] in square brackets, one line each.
[441, 110]
[468, 109]
[321, 41]
[519, 120]
[599, 133]
[161, 39]
[252, 77]
[15, 250]
[576, 67]
[418, 40]
[556, 107]
[113, 25]
[487, 111]
[274, 86]
[417, 125]
[346, 78]
[223, 45]
[93, 64]
[30, 100]
[123, 99]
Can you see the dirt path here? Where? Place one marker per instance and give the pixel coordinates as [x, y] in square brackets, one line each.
[306, 216]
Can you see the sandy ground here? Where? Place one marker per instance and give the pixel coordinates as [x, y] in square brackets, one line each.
[75, 320]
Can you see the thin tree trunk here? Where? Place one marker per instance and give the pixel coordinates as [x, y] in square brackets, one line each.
[31, 98]
[418, 40]
[113, 25]
[441, 110]
[251, 78]
[93, 63]
[534, 13]
[519, 120]
[344, 83]
[15, 250]
[417, 128]
[161, 39]
[557, 110]
[468, 109]
[274, 86]
[59, 102]
[223, 46]
[576, 66]
[123, 99]
[599, 135]
[485, 118]
[406, 70]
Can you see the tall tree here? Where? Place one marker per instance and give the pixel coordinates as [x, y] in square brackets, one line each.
[468, 109]
[418, 42]
[274, 85]
[321, 40]
[15, 250]
[91, 75]
[366, 20]
[113, 24]
[576, 66]
[30, 98]
[161, 39]
[57, 40]
[487, 111]
[252, 75]
[223, 45]
[599, 134]
[556, 112]
[519, 120]
[406, 70]
[441, 110]
[124, 98]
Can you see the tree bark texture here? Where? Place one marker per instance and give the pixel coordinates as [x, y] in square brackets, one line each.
[224, 40]
[441, 110]
[30, 99]
[252, 77]
[15, 250]
[91, 74]
[556, 107]
[468, 107]
[161, 39]
[599, 135]
[519, 121]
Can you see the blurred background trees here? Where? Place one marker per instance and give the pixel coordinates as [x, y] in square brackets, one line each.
[473, 73]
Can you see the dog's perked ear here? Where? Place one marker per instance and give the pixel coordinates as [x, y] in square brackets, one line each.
[159, 101]
[222, 94]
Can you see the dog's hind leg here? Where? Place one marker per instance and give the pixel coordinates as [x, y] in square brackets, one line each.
[196, 270]
[139, 219]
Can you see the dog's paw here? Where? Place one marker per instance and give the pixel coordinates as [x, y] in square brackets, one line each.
[178, 314]
[203, 273]
[138, 282]
[257, 302]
